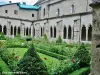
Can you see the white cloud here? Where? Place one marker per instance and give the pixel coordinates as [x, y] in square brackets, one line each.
[27, 1]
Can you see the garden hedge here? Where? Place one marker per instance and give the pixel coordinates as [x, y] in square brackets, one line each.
[82, 71]
[58, 56]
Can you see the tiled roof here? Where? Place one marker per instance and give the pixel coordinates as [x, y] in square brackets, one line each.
[3, 3]
[29, 7]
[22, 6]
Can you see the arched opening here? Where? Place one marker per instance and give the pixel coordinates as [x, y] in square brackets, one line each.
[64, 32]
[54, 32]
[44, 12]
[26, 31]
[90, 33]
[0, 28]
[18, 30]
[11, 30]
[83, 33]
[51, 32]
[69, 32]
[5, 30]
[41, 31]
[15, 30]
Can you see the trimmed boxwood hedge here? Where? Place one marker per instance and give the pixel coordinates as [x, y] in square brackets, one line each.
[16, 46]
[58, 56]
[82, 71]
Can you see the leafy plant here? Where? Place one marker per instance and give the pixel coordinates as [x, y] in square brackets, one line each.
[10, 59]
[2, 37]
[59, 40]
[32, 64]
[83, 56]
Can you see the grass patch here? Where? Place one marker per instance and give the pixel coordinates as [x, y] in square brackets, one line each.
[51, 63]
[19, 51]
[3, 66]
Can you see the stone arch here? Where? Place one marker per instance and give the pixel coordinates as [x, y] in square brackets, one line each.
[0, 28]
[54, 32]
[64, 32]
[11, 30]
[18, 30]
[83, 33]
[51, 32]
[90, 33]
[15, 30]
[69, 32]
[41, 31]
[27, 31]
[5, 30]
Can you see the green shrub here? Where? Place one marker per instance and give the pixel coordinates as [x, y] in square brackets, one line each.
[2, 37]
[59, 40]
[10, 59]
[32, 64]
[82, 71]
[45, 37]
[82, 55]
[58, 56]
[1, 70]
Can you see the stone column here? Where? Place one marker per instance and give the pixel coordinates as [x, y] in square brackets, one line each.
[86, 33]
[67, 33]
[72, 33]
[32, 31]
[95, 62]
[2, 28]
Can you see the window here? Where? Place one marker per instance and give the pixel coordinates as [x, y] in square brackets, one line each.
[73, 8]
[32, 15]
[16, 12]
[44, 12]
[6, 11]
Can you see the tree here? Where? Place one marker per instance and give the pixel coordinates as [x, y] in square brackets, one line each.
[32, 64]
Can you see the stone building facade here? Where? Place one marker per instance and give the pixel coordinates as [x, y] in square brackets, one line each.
[71, 19]
[16, 18]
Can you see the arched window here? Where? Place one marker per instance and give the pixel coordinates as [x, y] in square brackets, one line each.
[54, 32]
[44, 12]
[51, 32]
[58, 10]
[83, 33]
[90, 33]
[69, 32]
[27, 31]
[0, 28]
[41, 32]
[5, 30]
[18, 30]
[64, 32]
[11, 30]
[15, 30]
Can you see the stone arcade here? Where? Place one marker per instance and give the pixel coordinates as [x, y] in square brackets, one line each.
[71, 19]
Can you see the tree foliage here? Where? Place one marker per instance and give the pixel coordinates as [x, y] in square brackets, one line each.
[32, 64]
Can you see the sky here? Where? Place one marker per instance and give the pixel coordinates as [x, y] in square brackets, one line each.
[29, 2]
